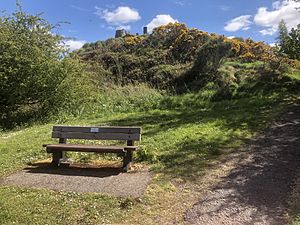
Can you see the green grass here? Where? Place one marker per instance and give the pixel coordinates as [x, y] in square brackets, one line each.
[179, 140]
[244, 65]
[170, 137]
[181, 136]
[112, 99]
[26, 206]
[295, 75]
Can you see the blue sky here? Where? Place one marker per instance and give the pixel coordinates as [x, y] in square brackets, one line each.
[93, 20]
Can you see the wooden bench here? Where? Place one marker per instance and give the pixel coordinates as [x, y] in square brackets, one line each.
[128, 134]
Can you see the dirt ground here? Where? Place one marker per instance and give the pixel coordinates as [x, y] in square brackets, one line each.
[87, 179]
[253, 186]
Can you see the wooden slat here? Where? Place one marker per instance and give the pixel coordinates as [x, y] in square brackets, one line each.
[88, 148]
[98, 129]
[97, 136]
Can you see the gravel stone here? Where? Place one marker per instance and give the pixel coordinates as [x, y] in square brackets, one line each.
[256, 190]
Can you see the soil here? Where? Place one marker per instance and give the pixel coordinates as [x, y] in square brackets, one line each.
[253, 186]
[82, 178]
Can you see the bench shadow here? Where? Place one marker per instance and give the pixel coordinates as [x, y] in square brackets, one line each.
[73, 170]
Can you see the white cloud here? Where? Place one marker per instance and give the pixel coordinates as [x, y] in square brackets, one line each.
[74, 44]
[285, 10]
[160, 20]
[125, 27]
[268, 31]
[238, 23]
[231, 37]
[119, 16]
[276, 5]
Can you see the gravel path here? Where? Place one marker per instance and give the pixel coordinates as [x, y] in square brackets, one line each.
[85, 180]
[256, 188]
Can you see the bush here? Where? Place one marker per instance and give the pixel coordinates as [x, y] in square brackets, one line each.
[209, 58]
[37, 76]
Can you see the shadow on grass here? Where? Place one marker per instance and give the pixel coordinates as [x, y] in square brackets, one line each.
[250, 113]
[188, 157]
[259, 187]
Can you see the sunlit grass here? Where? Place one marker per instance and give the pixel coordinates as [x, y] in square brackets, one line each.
[183, 135]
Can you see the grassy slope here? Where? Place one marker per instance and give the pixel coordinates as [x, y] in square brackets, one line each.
[178, 142]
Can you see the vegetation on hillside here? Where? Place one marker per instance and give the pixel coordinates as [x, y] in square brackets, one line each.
[196, 95]
[179, 60]
[172, 57]
[40, 80]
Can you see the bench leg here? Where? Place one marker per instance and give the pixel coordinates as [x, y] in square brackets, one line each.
[56, 156]
[127, 160]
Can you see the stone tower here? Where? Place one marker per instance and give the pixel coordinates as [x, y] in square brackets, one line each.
[120, 33]
[145, 30]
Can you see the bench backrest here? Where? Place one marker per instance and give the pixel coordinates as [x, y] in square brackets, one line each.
[97, 133]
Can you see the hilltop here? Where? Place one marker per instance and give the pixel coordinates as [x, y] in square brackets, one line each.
[175, 57]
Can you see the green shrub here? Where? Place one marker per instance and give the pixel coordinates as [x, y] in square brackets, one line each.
[37, 76]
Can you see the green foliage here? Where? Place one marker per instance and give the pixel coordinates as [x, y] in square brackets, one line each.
[294, 43]
[172, 57]
[295, 75]
[283, 35]
[75, 94]
[164, 76]
[39, 79]
[289, 42]
[29, 60]
[36, 75]
[208, 60]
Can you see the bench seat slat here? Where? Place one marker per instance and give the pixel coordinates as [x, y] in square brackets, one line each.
[100, 129]
[88, 148]
[96, 136]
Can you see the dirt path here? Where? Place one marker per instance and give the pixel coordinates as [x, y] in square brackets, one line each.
[258, 181]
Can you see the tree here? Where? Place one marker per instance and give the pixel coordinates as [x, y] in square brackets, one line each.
[289, 42]
[33, 63]
[283, 37]
[294, 50]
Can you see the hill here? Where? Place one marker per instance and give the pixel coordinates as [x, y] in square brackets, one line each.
[174, 57]
[198, 96]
